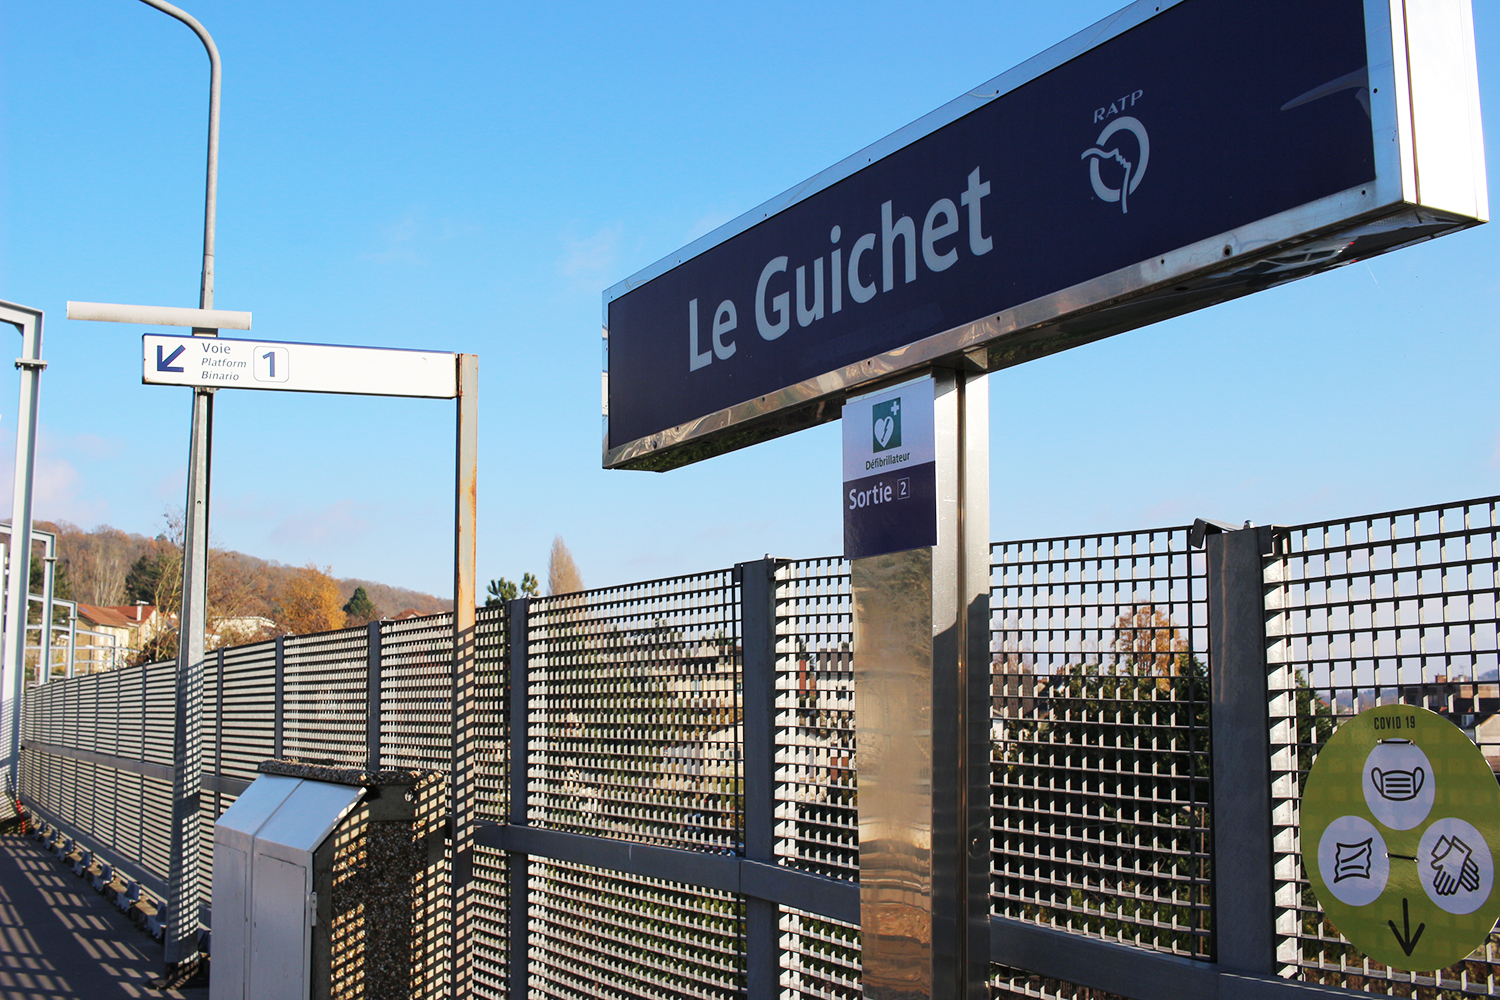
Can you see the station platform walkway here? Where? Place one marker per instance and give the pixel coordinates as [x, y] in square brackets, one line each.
[60, 940]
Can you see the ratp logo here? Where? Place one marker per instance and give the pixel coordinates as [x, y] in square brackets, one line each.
[886, 424]
[1134, 170]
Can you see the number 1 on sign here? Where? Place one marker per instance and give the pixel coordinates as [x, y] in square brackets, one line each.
[271, 363]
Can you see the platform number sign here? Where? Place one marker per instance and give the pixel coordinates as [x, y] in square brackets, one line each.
[271, 364]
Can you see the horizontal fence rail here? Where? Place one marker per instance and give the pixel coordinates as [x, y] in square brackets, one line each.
[662, 775]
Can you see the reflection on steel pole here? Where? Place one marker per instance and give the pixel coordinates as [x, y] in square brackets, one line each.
[181, 942]
[921, 687]
[13, 663]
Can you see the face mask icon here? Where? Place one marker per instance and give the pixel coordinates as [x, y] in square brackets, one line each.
[1396, 784]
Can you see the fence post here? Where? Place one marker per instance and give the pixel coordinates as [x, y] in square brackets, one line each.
[372, 696]
[278, 713]
[219, 728]
[1244, 917]
[518, 865]
[758, 703]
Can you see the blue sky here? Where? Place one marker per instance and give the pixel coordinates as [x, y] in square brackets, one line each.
[470, 177]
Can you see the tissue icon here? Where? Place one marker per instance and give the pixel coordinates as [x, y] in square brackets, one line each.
[1453, 866]
[1352, 860]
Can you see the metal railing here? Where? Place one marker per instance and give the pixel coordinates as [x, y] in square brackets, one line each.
[1396, 608]
[1101, 737]
[664, 774]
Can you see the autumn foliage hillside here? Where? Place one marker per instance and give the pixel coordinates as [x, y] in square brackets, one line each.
[110, 567]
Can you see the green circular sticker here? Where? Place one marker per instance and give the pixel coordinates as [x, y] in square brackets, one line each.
[1400, 826]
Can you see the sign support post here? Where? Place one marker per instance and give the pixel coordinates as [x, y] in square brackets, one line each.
[465, 686]
[187, 775]
[921, 682]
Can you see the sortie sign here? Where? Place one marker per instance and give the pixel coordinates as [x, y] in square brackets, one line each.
[890, 471]
[1156, 164]
[1400, 826]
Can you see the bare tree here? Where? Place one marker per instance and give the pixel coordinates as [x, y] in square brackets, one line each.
[562, 571]
[96, 561]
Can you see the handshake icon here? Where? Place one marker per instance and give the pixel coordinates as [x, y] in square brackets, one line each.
[1453, 866]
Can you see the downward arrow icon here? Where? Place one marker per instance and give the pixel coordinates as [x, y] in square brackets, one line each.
[1404, 937]
[164, 364]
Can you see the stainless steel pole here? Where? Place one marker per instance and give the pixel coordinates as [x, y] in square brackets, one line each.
[181, 940]
[13, 664]
[921, 676]
[49, 581]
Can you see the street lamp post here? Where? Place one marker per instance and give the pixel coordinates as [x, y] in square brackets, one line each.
[181, 924]
[181, 940]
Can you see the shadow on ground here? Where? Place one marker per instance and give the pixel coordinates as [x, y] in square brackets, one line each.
[60, 940]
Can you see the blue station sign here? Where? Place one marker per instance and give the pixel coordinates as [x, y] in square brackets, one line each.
[890, 471]
[1158, 163]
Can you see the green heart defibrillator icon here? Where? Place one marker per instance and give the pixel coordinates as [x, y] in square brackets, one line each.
[1400, 825]
[886, 418]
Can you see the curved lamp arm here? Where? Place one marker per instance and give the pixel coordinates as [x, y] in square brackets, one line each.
[206, 289]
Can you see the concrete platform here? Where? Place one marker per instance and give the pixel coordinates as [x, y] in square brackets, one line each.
[61, 940]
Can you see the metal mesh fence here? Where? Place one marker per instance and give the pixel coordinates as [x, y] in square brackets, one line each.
[635, 710]
[247, 710]
[819, 957]
[601, 934]
[1100, 747]
[1395, 608]
[817, 815]
[491, 924]
[108, 713]
[489, 893]
[326, 697]
[130, 694]
[159, 683]
[492, 726]
[817, 822]
[1013, 984]
[1100, 768]
[416, 700]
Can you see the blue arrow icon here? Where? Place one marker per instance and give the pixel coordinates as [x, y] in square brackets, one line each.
[164, 364]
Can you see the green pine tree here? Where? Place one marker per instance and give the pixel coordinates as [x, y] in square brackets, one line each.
[502, 590]
[360, 608]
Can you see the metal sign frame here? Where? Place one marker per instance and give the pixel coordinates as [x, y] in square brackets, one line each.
[1429, 180]
[28, 322]
[335, 368]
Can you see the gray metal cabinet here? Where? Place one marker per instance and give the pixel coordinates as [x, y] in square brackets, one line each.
[264, 903]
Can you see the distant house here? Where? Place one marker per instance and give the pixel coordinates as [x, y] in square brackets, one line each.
[238, 631]
[111, 632]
